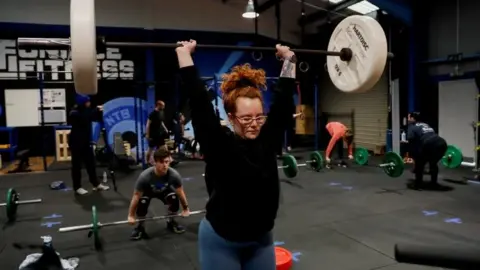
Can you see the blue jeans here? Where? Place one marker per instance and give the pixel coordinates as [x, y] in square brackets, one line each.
[217, 253]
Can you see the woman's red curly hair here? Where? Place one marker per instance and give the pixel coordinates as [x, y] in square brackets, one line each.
[233, 85]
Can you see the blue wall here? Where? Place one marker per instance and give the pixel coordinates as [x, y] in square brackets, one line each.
[127, 102]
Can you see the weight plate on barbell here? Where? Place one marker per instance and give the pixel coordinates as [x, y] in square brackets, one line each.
[11, 206]
[290, 168]
[367, 40]
[398, 166]
[453, 157]
[361, 156]
[316, 161]
[95, 228]
[83, 46]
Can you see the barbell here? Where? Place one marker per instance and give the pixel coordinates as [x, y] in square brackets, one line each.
[96, 225]
[12, 203]
[290, 165]
[393, 164]
[358, 46]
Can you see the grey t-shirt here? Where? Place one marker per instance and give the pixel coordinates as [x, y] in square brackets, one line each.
[151, 184]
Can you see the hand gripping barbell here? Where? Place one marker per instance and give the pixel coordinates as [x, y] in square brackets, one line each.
[12, 203]
[290, 166]
[96, 225]
[394, 166]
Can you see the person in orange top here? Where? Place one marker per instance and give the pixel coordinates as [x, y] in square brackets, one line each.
[339, 133]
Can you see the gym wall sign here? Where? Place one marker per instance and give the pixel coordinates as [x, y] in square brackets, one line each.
[56, 63]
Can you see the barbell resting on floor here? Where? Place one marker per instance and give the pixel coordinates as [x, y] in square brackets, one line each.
[12, 203]
[393, 164]
[290, 166]
[358, 43]
[96, 225]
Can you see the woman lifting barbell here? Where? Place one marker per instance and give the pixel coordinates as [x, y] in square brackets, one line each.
[161, 182]
[339, 133]
[236, 233]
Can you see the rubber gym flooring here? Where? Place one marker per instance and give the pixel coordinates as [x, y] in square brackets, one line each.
[342, 219]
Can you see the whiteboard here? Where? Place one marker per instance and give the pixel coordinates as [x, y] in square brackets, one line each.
[21, 107]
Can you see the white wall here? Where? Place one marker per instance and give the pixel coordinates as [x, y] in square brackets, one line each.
[208, 15]
[457, 111]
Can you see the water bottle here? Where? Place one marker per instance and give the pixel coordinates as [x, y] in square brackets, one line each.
[105, 179]
[404, 136]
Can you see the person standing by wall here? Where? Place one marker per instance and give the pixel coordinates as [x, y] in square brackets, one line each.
[156, 131]
[80, 143]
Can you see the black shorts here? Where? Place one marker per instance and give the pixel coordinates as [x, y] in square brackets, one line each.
[156, 142]
[169, 199]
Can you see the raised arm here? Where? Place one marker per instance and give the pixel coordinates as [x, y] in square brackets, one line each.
[279, 116]
[207, 128]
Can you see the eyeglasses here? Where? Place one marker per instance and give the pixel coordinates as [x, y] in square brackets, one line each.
[248, 120]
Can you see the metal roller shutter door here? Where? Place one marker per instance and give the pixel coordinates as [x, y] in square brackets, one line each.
[371, 111]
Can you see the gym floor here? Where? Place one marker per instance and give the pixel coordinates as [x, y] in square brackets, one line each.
[342, 219]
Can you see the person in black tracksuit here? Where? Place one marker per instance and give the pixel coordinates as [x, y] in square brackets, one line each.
[425, 147]
[241, 167]
[80, 144]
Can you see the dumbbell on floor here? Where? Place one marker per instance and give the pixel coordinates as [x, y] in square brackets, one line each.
[12, 202]
[290, 166]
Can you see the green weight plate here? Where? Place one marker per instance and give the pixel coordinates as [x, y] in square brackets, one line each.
[290, 168]
[95, 228]
[316, 161]
[361, 156]
[398, 166]
[11, 207]
[453, 157]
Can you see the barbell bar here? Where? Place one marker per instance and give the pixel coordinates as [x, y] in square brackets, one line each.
[12, 203]
[345, 54]
[121, 222]
[96, 225]
[359, 42]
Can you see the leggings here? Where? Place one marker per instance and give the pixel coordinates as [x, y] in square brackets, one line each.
[217, 253]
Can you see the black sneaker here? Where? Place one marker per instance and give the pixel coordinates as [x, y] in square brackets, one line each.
[414, 186]
[138, 233]
[175, 227]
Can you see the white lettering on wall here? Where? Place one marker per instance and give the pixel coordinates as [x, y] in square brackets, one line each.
[55, 64]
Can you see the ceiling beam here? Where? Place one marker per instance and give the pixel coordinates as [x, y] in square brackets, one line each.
[267, 5]
[311, 18]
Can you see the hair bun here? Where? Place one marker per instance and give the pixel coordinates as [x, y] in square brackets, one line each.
[243, 76]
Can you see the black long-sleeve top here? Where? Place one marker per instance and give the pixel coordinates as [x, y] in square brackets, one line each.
[81, 118]
[241, 174]
[418, 133]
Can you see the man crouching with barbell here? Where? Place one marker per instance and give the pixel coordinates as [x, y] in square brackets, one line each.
[160, 182]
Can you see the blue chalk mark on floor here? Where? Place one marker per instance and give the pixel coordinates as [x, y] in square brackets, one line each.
[296, 256]
[429, 213]
[453, 220]
[53, 216]
[335, 184]
[348, 188]
[279, 243]
[50, 224]
[188, 179]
